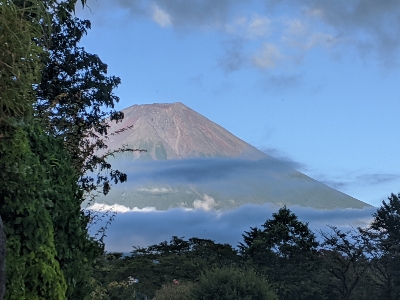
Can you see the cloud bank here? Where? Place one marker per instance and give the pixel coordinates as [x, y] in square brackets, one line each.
[148, 226]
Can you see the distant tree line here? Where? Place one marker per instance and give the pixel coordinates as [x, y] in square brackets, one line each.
[280, 260]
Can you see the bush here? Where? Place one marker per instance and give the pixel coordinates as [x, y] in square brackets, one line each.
[232, 283]
[174, 292]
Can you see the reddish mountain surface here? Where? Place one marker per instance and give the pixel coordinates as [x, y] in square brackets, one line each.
[174, 131]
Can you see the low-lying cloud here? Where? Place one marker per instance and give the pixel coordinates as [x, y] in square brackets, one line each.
[148, 226]
[358, 180]
[207, 203]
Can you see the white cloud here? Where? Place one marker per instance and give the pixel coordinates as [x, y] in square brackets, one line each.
[296, 27]
[155, 190]
[250, 28]
[259, 26]
[267, 57]
[301, 35]
[160, 16]
[100, 207]
[207, 203]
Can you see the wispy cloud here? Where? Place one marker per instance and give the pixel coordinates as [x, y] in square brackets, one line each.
[267, 57]
[284, 158]
[281, 83]
[371, 27]
[233, 57]
[254, 27]
[284, 30]
[187, 14]
[160, 16]
[343, 182]
[156, 190]
[374, 179]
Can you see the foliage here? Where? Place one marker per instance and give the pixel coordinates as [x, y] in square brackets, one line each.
[384, 248]
[344, 257]
[232, 283]
[157, 265]
[249, 237]
[75, 102]
[48, 246]
[32, 269]
[19, 60]
[171, 291]
[76, 251]
[285, 251]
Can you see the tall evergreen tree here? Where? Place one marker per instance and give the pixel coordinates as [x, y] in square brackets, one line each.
[285, 251]
[384, 250]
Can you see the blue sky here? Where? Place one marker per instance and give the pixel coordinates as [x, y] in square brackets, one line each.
[314, 82]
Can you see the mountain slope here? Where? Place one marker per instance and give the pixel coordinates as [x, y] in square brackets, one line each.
[174, 131]
[194, 163]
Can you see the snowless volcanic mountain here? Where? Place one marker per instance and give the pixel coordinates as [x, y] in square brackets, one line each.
[192, 162]
[174, 131]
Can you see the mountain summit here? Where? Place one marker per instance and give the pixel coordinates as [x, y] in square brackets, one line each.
[174, 131]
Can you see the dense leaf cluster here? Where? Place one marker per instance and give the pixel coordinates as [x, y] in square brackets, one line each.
[53, 97]
[33, 271]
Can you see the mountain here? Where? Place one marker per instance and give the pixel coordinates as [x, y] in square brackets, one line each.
[174, 131]
[192, 162]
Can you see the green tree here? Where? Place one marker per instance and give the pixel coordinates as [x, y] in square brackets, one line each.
[285, 251]
[384, 248]
[32, 269]
[47, 239]
[19, 61]
[160, 264]
[345, 260]
[76, 251]
[75, 101]
[232, 283]
[249, 237]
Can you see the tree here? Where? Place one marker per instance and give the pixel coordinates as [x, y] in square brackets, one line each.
[48, 245]
[285, 251]
[158, 265]
[384, 248]
[76, 251]
[32, 269]
[19, 61]
[232, 283]
[345, 259]
[249, 238]
[75, 101]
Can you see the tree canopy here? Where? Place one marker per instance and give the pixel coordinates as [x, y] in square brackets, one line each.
[51, 123]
